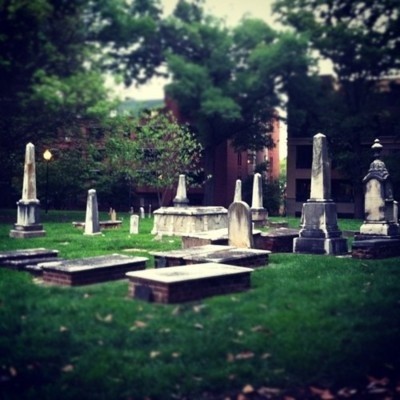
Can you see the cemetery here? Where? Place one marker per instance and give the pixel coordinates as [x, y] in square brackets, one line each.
[245, 307]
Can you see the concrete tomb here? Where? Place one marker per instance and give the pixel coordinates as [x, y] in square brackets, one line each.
[181, 284]
[28, 208]
[319, 233]
[183, 219]
[89, 270]
[238, 191]
[379, 235]
[258, 212]
[27, 259]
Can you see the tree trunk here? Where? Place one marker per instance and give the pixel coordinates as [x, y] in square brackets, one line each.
[209, 167]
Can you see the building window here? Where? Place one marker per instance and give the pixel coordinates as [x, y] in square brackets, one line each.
[304, 157]
[342, 191]
[239, 158]
[303, 189]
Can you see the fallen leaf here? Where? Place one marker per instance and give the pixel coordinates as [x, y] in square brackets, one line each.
[67, 368]
[265, 356]
[198, 326]
[140, 324]
[154, 354]
[107, 318]
[86, 295]
[176, 355]
[267, 392]
[346, 392]
[198, 308]
[63, 328]
[240, 333]
[248, 389]
[245, 355]
[176, 310]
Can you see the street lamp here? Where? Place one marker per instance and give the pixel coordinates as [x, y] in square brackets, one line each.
[47, 157]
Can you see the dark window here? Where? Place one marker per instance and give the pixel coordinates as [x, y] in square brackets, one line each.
[342, 191]
[303, 187]
[303, 157]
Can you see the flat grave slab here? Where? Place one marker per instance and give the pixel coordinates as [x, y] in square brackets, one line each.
[177, 257]
[278, 240]
[181, 284]
[212, 253]
[85, 271]
[12, 255]
[375, 248]
[252, 258]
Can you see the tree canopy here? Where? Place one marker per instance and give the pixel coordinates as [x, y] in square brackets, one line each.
[362, 39]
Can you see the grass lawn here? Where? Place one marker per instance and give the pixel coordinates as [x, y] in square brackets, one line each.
[310, 327]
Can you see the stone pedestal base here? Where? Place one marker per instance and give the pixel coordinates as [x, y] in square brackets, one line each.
[259, 217]
[25, 232]
[383, 228]
[320, 233]
[320, 245]
[27, 225]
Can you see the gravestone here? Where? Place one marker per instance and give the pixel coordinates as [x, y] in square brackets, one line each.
[181, 199]
[141, 210]
[319, 233]
[134, 225]
[379, 235]
[92, 225]
[258, 213]
[240, 230]
[238, 191]
[28, 207]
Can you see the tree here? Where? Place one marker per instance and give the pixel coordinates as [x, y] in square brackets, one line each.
[226, 82]
[362, 39]
[153, 150]
[52, 57]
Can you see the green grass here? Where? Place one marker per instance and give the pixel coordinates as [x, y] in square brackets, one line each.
[307, 320]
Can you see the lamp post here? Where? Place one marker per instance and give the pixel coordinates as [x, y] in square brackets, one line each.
[47, 157]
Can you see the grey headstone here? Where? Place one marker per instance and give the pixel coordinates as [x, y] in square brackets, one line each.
[240, 231]
[238, 191]
[320, 170]
[257, 199]
[141, 210]
[181, 199]
[134, 225]
[92, 225]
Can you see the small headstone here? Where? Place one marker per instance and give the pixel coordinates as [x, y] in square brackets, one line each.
[141, 212]
[238, 191]
[259, 214]
[134, 225]
[113, 215]
[149, 215]
[181, 199]
[92, 225]
[240, 231]
[28, 213]
[131, 210]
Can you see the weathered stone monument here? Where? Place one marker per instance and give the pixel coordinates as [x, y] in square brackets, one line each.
[28, 211]
[240, 230]
[92, 225]
[181, 199]
[259, 214]
[319, 233]
[379, 235]
[134, 224]
[182, 219]
[238, 191]
[141, 210]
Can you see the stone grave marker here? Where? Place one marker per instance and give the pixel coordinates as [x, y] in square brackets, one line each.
[134, 224]
[181, 199]
[319, 233]
[28, 208]
[92, 225]
[258, 212]
[141, 210]
[240, 230]
[238, 191]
